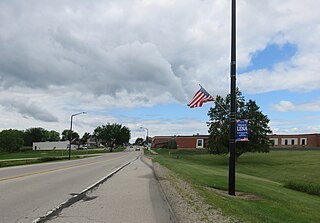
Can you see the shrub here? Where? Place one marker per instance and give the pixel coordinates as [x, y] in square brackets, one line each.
[172, 144]
[309, 188]
[25, 148]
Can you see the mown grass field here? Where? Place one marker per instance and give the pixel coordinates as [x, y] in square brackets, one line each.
[45, 156]
[262, 175]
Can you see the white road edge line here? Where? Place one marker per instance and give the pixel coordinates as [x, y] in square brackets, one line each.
[78, 197]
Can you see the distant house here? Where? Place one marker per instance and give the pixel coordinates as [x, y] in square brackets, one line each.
[59, 145]
[183, 142]
[296, 141]
[93, 141]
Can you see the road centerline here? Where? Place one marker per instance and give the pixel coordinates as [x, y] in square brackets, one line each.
[55, 169]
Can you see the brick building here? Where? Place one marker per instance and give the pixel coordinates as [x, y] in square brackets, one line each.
[201, 141]
[183, 142]
[296, 141]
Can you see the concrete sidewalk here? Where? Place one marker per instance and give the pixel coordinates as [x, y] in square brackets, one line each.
[131, 195]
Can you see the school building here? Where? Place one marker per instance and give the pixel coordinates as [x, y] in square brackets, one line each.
[296, 141]
[201, 141]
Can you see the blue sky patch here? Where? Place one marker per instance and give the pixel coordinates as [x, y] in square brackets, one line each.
[269, 56]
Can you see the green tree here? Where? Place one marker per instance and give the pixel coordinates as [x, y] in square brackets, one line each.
[85, 138]
[148, 140]
[172, 144]
[139, 141]
[66, 135]
[11, 140]
[258, 128]
[34, 135]
[113, 135]
[52, 136]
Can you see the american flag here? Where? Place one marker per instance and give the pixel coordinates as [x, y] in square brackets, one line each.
[200, 97]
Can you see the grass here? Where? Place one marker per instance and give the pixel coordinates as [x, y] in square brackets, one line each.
[266, 176]
[309, 188]
[41, 156]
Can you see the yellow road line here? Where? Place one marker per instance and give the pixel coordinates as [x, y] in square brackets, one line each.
[55, 169]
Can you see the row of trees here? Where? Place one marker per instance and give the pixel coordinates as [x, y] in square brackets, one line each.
[140, 141]
[12, 139]
[110, 135]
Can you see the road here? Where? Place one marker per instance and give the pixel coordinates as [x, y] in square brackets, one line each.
[29, 192]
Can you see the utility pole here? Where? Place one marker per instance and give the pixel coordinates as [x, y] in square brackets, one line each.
[232, 138]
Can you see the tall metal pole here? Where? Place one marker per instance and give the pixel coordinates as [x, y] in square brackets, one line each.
[147, 136]
[232, 139]
[70, 137]
[147, 133]
[69, 155]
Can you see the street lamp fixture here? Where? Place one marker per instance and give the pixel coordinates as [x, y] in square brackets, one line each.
[80, 113]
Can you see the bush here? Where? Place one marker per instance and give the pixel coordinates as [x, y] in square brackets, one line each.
[48, 159]
[172, 144]
[309, 188]
[25, 148]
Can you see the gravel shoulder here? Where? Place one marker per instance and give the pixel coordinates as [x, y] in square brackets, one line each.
[187, 205]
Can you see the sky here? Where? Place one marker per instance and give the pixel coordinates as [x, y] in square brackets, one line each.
[139, 63]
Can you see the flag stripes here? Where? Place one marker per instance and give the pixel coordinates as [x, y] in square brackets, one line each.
[200, 97]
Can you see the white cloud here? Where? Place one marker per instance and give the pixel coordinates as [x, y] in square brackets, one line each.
[279, 22]
[168, 127]
[302, 126]
[61, 57]
[286, 106]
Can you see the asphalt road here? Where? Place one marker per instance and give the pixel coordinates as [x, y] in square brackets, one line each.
[132, 195]
[29, 192]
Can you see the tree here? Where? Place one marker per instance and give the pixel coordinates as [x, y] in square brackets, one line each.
[34, 135]
[11, 140]
[113, 135]
[66, 135]
[139, 141]
[172, 144]
[148, 140]
[219, 126]
[85, 138]
[52, 136]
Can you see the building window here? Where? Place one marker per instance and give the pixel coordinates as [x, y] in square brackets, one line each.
[199, 144]
[292, 141]
[303, 141]
[274, 141]
[286, 142]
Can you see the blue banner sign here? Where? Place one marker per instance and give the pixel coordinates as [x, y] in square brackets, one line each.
[242, 130]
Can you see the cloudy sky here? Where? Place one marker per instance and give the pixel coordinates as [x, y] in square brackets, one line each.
[139, 62]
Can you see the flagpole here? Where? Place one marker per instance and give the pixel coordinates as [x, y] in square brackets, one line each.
[216, 101]
[232, 138]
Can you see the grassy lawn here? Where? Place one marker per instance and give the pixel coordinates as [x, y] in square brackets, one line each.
[260, 175]
[46, 156]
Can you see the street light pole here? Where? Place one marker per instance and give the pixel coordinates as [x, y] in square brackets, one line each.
[232, 139]
[71, 131]
[147, 139]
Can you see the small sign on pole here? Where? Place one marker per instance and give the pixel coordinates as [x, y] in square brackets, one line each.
[242, 130]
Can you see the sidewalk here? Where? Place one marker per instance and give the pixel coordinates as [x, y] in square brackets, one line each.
[131, 195]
